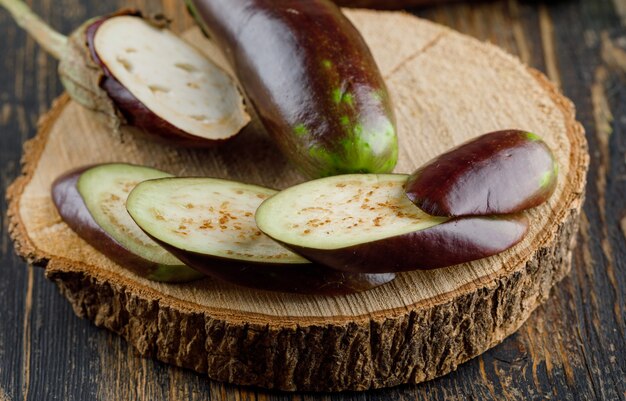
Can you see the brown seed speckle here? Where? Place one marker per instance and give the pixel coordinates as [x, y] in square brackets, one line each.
[206, 225]
[158, 215]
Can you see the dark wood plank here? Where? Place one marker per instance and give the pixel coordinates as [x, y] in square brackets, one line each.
[572, 348]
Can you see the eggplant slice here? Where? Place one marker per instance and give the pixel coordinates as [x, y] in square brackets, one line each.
[209, 224]
[170, 83]
[365, 223]
[92, 202]
[132, 70]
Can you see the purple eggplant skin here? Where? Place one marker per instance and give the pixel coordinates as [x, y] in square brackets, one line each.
[311, 79]
[72, 209]
[501, 172]
[305, 278]
[132, 109]
[456, 241]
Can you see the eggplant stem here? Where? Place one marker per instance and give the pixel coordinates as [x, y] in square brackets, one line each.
[52, 41]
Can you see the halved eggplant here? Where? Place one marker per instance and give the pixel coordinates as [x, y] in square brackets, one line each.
[209, 224]
[162, 84]
[91, 200]
[497, 173]
[134, 71]
[366, 223]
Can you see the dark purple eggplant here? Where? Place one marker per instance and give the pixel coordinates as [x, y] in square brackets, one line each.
[99, 217]
[169, 91]
[312, 80]
[497, 173]
[365, 223]
[209, 224]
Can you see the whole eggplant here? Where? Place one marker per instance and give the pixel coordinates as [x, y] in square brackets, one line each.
[312, 80]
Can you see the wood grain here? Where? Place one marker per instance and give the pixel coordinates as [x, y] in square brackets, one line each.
[571, 348]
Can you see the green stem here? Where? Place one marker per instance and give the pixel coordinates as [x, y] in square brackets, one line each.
[52, 41]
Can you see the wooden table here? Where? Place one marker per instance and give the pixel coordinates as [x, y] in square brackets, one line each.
[572, 348]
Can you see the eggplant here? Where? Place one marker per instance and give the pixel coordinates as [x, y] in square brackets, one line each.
[91, 201]
[209, 224]
[312, 80]
[497, 173]
[365, 223]
[133, 71]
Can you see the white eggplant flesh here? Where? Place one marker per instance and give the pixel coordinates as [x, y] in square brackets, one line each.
[171, 78]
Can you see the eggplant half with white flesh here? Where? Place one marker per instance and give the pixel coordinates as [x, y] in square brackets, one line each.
[132, 70]
[209, 224]
[92, 202]
[497, 173]
[365, 223]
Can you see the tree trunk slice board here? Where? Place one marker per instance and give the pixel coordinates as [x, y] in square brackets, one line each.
[447, 88]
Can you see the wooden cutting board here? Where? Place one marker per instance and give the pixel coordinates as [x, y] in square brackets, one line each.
[447, 88]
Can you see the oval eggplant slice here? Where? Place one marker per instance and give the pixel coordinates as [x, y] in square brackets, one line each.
[91, 201]
[366, 224]
[132, 70]
[312, 80]
[162, 84]
[497, 173]
[209, 224]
